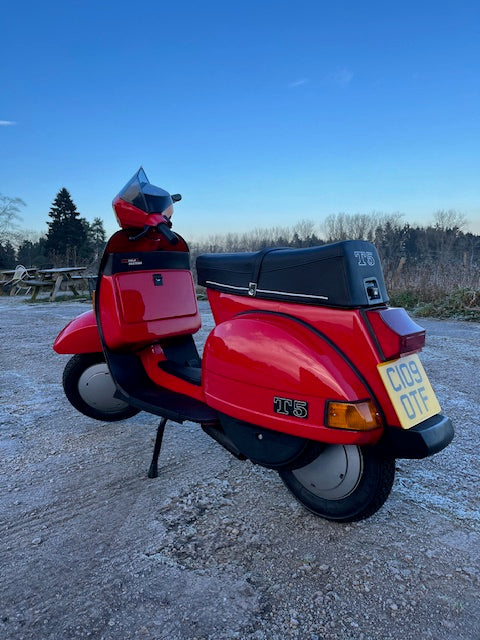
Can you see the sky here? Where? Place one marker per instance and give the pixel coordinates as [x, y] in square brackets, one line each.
[260, 113]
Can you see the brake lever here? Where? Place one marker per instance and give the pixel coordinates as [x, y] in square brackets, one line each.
[141, 234]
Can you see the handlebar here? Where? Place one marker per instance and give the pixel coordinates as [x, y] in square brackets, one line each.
[167, 233]
[146, 229]
[162, 228]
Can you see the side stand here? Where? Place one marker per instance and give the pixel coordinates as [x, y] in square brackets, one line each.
[153, 471]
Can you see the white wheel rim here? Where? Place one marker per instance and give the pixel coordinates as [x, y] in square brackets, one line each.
[96, 388]
[334, 474]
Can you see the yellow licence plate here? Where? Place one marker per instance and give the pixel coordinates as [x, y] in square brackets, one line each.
[409, 390]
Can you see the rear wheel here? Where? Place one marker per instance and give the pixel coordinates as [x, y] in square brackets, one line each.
[343, 483]
[89, 387]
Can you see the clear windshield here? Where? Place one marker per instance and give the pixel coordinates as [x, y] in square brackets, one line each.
[145, 196]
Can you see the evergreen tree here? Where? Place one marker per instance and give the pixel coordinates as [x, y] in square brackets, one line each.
[98, 237]
[7, 255]
[33, 254]
[67, 232]
[25, 253]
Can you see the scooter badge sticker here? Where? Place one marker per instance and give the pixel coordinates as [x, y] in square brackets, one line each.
[290, 407]
[364, 258]
[131, 262]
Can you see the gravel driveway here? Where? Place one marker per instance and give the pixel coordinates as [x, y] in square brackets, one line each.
[216, 548]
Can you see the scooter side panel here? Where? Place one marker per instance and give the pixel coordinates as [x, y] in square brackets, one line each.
[79, 336]
[254, 363]
[345, 327]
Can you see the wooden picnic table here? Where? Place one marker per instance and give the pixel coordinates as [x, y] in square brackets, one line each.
[54, 279]
[7, 274]
[12, 280]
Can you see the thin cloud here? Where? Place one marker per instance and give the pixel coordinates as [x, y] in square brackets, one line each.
[341, 77]
[7, 123]
[298, 83]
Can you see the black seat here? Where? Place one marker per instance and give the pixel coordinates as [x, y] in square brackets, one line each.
[238, 269]
[229, 264]
[336, 274]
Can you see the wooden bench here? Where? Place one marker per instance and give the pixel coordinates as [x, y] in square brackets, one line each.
[37, 285]
[57, 279]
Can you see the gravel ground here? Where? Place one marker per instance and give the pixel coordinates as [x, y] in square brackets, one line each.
[216, 548]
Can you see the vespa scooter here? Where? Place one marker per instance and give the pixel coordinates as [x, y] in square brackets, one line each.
[307, 371]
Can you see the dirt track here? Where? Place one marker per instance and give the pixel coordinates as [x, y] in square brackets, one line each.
[216, 548]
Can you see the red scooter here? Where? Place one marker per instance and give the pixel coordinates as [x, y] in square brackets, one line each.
[308, 371]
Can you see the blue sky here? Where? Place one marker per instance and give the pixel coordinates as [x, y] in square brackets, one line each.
[259, 113]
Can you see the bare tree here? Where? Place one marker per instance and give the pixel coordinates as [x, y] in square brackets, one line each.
[357, 226]
[449, 219]
[304, 229]
[9, 215]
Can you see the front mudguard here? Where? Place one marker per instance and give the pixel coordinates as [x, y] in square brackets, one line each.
[79, 336]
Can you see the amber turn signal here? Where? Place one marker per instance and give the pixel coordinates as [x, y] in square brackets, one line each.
[355, 416]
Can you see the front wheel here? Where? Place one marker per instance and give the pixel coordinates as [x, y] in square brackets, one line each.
[343, 483]
[89, 387]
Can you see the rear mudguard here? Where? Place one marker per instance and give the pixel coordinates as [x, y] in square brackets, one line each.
[278, 372]
[79, 336]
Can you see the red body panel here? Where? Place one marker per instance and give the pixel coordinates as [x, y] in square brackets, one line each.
[133, 314]
[129, 216]
[251, 359]
[79, 336]
[346, 328]
[150, 357]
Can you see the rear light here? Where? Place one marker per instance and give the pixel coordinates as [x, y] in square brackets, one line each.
[355, 416]
[395, 332]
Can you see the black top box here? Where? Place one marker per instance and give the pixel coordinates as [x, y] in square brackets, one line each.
[341, 274]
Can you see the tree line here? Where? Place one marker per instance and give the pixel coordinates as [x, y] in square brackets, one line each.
[70, 240]
[439, 257]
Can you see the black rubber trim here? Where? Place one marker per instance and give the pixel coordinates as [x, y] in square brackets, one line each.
[421, 441]
[184, 372]
[332, 344]
[145, 261]
[216, 432]
[182, 350]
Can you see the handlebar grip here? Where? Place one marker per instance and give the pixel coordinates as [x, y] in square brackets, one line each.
[166, 233]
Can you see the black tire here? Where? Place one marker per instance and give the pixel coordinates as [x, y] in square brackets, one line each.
[344, 483]
[89, 388]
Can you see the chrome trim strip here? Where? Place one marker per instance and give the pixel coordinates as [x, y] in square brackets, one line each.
[281, 293]
[298, 295]
[229, 286]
